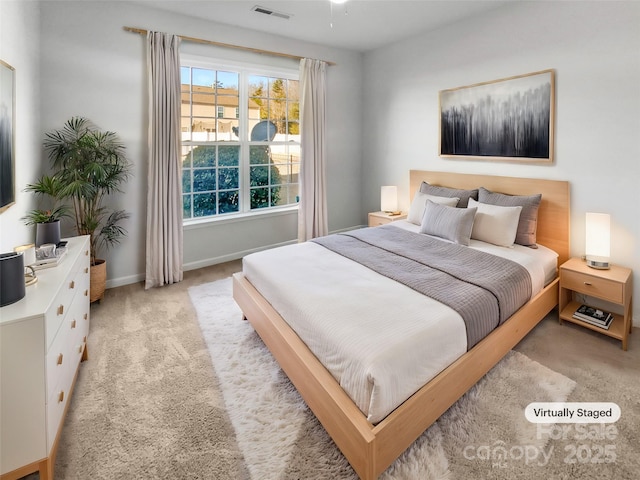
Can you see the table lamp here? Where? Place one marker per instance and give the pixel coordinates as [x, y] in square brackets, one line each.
[598, 240]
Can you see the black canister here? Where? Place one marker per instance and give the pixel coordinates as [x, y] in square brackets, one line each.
[12, 286]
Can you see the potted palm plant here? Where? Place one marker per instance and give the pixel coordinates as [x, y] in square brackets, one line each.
[90, 164]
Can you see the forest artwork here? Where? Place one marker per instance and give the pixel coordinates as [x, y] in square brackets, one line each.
[509, 119]
[7, 187]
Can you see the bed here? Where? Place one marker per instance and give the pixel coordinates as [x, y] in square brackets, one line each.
[372, 443]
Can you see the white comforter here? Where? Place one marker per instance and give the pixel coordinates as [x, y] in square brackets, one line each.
[381, 340]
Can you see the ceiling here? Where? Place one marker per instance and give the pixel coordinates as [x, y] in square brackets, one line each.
[359, 25]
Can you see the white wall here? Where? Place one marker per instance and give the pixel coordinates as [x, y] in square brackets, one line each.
[19, 47]
[594, 48]
[93, 68]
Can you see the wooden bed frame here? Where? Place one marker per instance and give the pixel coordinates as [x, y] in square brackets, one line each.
[371, 449]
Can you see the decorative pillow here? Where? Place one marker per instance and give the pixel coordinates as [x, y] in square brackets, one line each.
[463, 195]
[495, 224]
[416, 210]
[452, 223]
[528, 224]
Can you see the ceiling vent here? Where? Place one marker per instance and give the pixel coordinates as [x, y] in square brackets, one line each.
[272, 13]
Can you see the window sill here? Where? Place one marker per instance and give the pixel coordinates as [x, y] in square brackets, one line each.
[193, 224]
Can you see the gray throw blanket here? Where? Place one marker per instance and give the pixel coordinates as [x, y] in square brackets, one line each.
[484, 289]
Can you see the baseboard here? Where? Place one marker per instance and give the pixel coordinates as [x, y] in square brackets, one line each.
[207, 262]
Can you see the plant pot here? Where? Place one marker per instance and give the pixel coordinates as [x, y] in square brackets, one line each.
[98, 279]
[48, 233]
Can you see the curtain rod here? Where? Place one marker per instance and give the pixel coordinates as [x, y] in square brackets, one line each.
[227, 45]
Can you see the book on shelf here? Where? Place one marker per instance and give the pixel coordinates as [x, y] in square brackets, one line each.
[593, 316]
[595, 323]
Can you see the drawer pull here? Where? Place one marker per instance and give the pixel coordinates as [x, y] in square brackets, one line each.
[588, 284]
[86, 270]
[86, 253]
[60, 359]
[61, 397]
[86, 316]
[72, 284]
[60, 309]
[73, 324]
[86, 293]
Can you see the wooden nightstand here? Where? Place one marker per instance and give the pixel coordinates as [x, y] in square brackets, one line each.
[614, 285]
[382, 218]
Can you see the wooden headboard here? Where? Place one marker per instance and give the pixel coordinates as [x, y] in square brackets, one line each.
[553, 215]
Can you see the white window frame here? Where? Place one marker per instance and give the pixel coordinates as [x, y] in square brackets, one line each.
[244, 70]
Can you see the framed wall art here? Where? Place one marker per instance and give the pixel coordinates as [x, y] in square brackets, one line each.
[7, 125]
[511, 119]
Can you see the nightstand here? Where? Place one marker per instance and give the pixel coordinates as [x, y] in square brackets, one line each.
[614, 285]
[382, 218]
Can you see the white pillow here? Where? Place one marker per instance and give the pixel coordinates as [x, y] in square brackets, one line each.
[416, 210]
[495, 224]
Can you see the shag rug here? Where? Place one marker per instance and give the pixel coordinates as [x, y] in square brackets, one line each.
[484, 435]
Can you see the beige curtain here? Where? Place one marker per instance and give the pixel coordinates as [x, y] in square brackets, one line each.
[164, 188]
[312, 214]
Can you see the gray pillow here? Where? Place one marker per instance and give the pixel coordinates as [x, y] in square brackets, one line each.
[528, 223]
[438, 191]
[454, 224]
[416, 209]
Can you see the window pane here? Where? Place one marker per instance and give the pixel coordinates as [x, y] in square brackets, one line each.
[259, 198]
[186, 156]
[228, 156]
[226, 130]
[228, 81]
[185, 126]
[228, 178]
[293, 88]
[185, 78]
[258, 86]
[228, 202]
[259, 176]
[204, 180]
[204, 204]
[204, 156]
[259, 154]
[186, 181]
[186, 206]
[277, 88]
[204, 129]
[276, 196]
[203, 104]
[203, 78]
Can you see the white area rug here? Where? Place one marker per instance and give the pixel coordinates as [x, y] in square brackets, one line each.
[281, 439]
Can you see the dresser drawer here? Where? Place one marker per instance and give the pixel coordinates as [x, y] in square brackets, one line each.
[57, 359]
[59, 308]
[57, 402]
[63, 354]
[593, 286]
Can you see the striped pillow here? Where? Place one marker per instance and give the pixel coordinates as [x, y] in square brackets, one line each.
[451, 223]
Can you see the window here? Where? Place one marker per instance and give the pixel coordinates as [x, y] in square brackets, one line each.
[240, 140]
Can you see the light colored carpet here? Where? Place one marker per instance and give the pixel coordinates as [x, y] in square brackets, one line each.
[281, 439]
[149, 405]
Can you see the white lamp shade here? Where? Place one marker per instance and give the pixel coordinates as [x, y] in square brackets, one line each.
[389, 198]
[598, 239]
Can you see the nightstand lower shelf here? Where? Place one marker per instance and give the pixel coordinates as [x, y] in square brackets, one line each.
[616, 330]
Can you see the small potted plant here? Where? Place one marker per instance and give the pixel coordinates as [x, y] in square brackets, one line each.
[47, 222]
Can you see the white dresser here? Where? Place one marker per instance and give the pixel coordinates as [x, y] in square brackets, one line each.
[42, 341]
